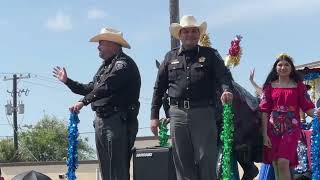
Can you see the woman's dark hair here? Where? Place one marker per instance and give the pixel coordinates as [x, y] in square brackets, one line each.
[273, 75]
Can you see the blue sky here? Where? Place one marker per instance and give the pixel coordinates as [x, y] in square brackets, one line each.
[38, 35]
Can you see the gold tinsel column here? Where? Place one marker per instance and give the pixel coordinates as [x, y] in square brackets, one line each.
[205, 40]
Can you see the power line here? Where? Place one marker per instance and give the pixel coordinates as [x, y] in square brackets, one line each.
[48, 80]
[5, 125]
[45, 78]
[17, 151]
[6, 73]
[6, 136]
[43, 85]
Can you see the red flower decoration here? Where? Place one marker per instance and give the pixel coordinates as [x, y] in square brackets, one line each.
[235, 49]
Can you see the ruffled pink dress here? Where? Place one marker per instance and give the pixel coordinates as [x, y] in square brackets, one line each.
[283, 106]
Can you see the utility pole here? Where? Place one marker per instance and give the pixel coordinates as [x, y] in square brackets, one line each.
[15, 108]
[174, 18]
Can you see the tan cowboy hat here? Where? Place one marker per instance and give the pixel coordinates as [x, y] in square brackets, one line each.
[113, 35]
[186, 22]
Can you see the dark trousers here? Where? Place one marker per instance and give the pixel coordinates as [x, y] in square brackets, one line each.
[115, 136]
[194, 142]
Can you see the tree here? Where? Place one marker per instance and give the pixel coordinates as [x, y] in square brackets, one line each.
[48, 141]
[6, 150]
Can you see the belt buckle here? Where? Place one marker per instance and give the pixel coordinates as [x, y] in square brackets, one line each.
[186, 104]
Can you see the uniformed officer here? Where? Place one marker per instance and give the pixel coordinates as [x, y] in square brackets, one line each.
[113, 94]
[192, 74]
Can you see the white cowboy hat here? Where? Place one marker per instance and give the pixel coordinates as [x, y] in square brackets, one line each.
[186, 22]
[113, 35]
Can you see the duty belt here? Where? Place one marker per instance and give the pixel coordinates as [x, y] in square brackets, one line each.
[187, 104]
[104, 111]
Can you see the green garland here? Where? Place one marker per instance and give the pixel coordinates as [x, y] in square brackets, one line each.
[163, 136]
[227, 139]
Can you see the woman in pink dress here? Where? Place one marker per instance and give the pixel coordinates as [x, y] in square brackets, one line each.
[283, 95]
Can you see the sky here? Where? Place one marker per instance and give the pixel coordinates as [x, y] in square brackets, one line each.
[39, 35]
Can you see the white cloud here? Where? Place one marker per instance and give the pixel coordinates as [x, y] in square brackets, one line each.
[60, 22]
[256, 10]
[96, 14]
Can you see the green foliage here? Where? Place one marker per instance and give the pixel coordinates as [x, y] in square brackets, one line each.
[48, 141]
[6, 150]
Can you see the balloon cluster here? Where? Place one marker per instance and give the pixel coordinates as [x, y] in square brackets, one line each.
[72, 161]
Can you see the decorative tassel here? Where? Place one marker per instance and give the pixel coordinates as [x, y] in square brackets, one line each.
[163, 130]
[315, 149]
[235, 52]
[205, 40]
[72, 161]
[227, 140]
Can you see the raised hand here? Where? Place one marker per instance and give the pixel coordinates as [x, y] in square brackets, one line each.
[251, 77]
[60, 73]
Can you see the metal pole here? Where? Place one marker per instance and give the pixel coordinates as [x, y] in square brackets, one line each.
[15, 109]
[15, 126]
[174, 18]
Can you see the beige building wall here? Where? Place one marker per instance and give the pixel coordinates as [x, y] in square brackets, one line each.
[87, 170]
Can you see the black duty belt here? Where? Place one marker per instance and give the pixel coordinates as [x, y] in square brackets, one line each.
[104, 111]
[187, 104]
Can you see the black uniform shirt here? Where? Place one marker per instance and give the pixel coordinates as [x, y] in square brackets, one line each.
[116, 83]
[193, 75]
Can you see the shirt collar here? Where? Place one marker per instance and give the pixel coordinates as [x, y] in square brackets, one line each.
[195, 49]
[112, 58]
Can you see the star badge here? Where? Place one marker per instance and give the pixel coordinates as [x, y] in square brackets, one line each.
[202, 59]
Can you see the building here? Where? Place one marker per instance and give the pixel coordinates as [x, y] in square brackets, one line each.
[87, 170]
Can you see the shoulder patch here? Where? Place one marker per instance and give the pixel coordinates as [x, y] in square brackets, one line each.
[120, 65]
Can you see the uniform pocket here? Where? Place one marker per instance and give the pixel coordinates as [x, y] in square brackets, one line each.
[199, 71]
[175, 71]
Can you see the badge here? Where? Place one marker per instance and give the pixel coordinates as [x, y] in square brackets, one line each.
[120, 65]
[202, 59]
[175, 61]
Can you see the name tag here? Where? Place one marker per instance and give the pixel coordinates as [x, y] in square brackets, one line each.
[175, 62]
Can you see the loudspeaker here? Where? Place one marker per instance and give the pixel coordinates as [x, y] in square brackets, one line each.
[153, 163]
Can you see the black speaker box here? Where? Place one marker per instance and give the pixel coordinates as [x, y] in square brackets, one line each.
[153, 163]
